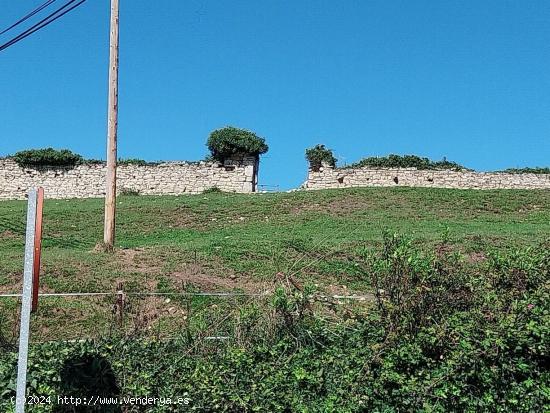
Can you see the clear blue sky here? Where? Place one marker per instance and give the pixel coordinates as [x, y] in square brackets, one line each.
[469, 80]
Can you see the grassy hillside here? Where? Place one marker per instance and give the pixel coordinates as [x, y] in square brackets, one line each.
[221, 242]
[454, 316]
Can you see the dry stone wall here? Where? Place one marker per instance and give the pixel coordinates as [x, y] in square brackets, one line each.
[236, 175]
[170, 178]
[328, 177]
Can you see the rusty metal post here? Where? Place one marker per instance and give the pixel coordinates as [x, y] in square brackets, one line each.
[37, 249]
[119, 305]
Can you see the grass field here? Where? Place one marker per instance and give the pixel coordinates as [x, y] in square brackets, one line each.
[222, 242]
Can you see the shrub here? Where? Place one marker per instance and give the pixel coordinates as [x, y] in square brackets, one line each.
[318, 155]
[228, 141]
[212, 190]
[47, 156]
[406, 161]
[129, 192]
[94, 162]
[131, 161]
[527, 170]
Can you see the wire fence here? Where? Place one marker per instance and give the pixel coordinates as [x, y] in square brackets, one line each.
[197, 294]
[200, 315]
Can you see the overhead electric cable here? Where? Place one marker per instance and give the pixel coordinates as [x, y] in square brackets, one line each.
[28, 16]
[42, 23]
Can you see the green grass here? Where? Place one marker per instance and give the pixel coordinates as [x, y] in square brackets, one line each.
[221, 241]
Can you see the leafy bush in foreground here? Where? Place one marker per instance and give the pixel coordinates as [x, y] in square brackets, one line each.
[405, 161]
[442, 335]
[47, 156]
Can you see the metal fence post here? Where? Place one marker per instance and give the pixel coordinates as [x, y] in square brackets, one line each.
[37, 248]
[26, 303]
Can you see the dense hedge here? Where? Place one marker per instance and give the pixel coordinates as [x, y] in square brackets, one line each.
[405, 161]
[134, 161]
[318, 155]
[229, 140]
[47, 156]
[443, 335]
[527, 170]
[64, 157]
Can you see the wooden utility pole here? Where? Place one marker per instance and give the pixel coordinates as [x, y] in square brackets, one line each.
[110, 194]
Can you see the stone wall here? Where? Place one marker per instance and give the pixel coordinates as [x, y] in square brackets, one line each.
[170, 178]
[328, 177]
[236, 175]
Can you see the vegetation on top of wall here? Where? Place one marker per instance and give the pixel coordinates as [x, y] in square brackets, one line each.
[134, 161]
[47, 157]
[93, 161]
[406, 161]
[318, 155]
[229, 140]
[64, 157]
[527, 170]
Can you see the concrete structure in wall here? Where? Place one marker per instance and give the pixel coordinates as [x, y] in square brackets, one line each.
[330, 177]
[238, 174]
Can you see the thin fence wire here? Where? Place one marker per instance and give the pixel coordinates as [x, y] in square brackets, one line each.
[186, 294]
[199, 316]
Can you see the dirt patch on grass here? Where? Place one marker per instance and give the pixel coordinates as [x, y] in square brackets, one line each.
[137, 260]
[204, 274]
[184, 217]
[212, 283]
[149, 310]
[14, 286]
[9, 235]
[476, 257]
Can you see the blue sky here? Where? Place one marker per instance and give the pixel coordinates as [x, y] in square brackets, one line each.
[469, 80]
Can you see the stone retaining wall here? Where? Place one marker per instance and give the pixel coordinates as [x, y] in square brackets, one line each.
[328, 177]
[170, 178]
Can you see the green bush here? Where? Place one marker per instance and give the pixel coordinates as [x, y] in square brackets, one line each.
[318, 155]
[406, 161]
[228, 141]
[212, 190]
[47, 157]
[131, 161]
[129, 192]
[527, 170]
[94, 162]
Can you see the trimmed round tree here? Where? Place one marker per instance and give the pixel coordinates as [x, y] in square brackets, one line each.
[228, 141]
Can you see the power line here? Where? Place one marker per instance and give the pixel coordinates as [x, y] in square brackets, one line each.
[42, 23]
[28, 16]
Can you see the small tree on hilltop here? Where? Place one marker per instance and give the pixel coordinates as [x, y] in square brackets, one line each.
[318, 155]
[228, 141]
